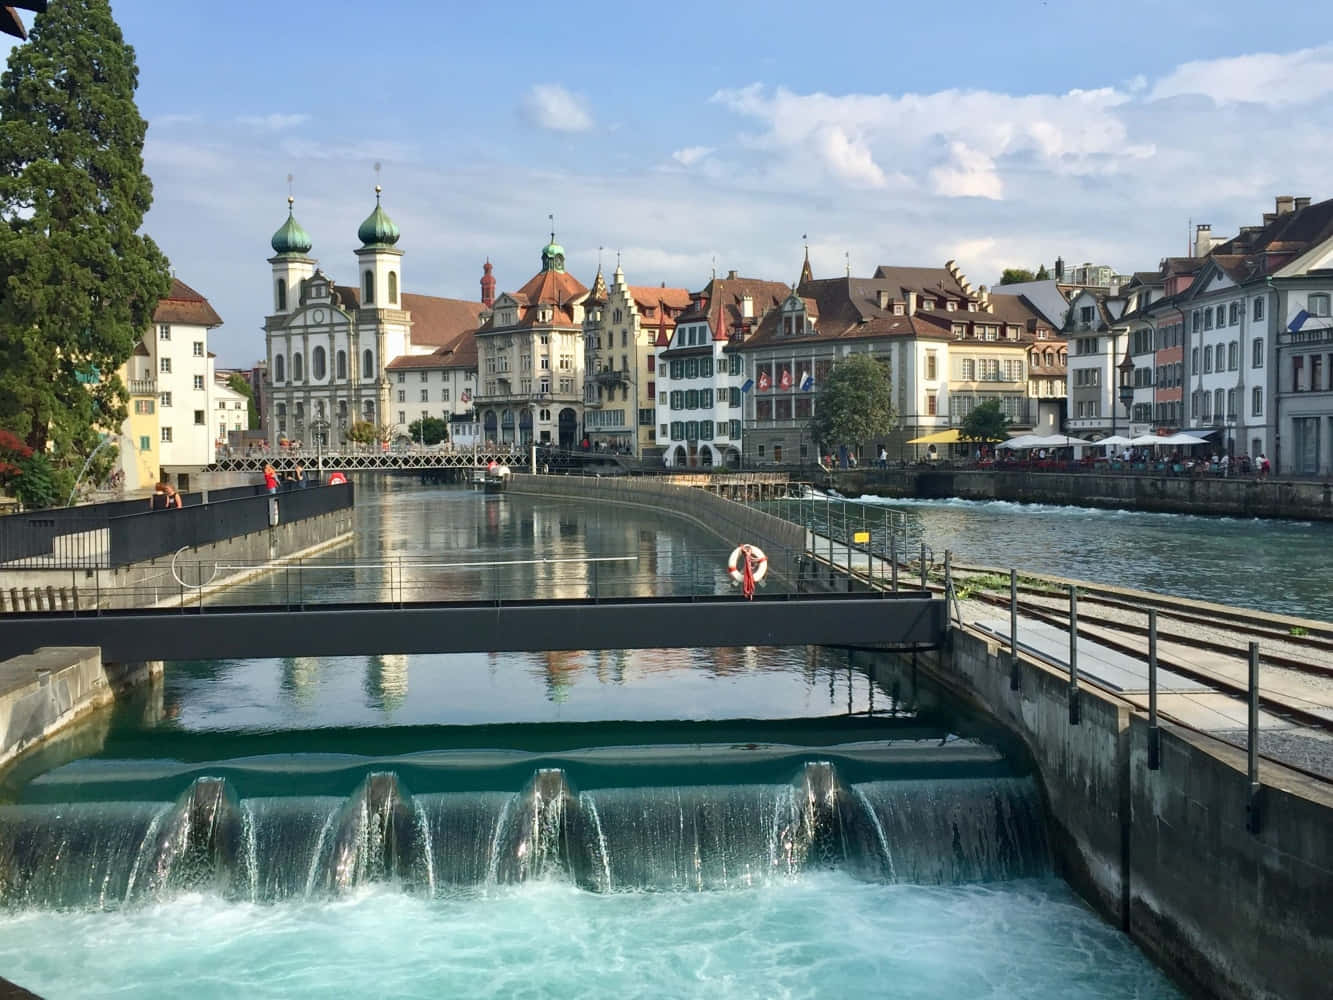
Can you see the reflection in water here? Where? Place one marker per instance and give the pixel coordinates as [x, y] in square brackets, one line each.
[386, 681]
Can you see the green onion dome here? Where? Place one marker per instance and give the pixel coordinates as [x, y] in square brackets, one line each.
[291, 238]
[378, 230]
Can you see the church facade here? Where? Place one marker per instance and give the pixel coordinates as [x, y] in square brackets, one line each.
[331, 347]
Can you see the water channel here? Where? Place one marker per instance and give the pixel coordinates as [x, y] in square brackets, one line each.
[690, 822]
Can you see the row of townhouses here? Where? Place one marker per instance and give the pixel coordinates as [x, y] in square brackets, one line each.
[1232, 342]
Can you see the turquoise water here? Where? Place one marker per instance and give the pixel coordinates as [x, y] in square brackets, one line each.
[825, 935]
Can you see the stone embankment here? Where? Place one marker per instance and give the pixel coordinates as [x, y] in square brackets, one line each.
[1235, 497]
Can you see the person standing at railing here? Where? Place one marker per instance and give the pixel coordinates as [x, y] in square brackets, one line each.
[170, 497]
[270, 478]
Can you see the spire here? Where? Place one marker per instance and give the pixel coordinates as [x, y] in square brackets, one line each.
[553, 254]
[618, 276]
[487, 285]
[806, 273]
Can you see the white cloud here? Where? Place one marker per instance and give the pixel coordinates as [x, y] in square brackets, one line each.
[969, 174]
[273, 122]
[691, 155]
[551, 106]
[1275, 79]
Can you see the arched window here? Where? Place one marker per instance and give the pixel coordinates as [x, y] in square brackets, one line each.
[317, 364]
[1208, 359]
[341, 363]
[298, 369]
[393, 288]
[368, 288]
[282, 294]
[279, 369]
[1219, 402]
[367, 364]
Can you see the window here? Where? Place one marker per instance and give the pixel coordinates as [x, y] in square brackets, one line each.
[1233, 355]
[1194, 359]
[393, 288]
[318, 361]
[1316, 373]
[198, 348]
[931, 373]
[198, 381]
[692, 399]
[1221, 312]
[1219, 402]
[677, 400]
[652, 390]
[932, 404]
[1208, 359]
[1085, 314]
[165, 399]
[367, 363]
[1297, 371]
[164, 332]
[402, 417]
[1195, 321]
[144, 406]
[222, 404]
[1233, 314]
[145, 443]
[282, 295]
[278, 368]
[736, 364]
[1317, 304]
[164, 365]
[1258, 308]
[298, 367]
[166, 435]
[705, 367]
[368, 290]
[1207, 319]
[692, 368]
[199, 417]
[340, 363]
[444, 394]
[969, 370]
[425, 395]
[1257, 402]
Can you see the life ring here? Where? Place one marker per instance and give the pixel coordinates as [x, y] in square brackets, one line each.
[758, 563]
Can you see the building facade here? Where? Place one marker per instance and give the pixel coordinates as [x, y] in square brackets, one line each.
[530, 358]
[329, 345]
[1096, 348]
[181, 364]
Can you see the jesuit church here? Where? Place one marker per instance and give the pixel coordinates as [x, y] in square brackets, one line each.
[340, 353]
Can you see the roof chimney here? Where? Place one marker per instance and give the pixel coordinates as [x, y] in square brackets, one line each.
[731, 275]
[911, 303]
[1285, 204]
[882, 297]
[747, 305]
[1203, 239]
[1302, 203]
[983, 299]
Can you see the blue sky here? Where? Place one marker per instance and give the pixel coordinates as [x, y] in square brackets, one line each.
[687, 132]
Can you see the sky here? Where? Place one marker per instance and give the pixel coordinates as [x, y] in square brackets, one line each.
[688, 136]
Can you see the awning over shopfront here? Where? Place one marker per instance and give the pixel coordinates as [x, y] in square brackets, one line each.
[939, 437]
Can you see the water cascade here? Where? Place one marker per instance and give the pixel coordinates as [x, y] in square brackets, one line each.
[674, 838]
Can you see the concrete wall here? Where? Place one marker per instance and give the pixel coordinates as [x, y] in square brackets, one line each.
[1173, 494]
[44, 691]
[1166, 853]
[733, 523]
[152, 581]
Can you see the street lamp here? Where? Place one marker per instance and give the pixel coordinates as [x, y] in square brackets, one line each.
[1126, 390]
[319, 428]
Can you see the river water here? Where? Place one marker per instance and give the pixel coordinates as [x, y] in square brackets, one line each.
[626, 823]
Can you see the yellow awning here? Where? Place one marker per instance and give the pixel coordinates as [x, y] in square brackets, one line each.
[939, 437]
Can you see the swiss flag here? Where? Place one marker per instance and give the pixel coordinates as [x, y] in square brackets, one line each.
[764, 382]
[785, 379]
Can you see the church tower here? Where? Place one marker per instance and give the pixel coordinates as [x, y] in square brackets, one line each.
[487, 285]
[291, 263]
[379, 261]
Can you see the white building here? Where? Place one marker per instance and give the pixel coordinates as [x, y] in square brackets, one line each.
[180, 361]
[440, 384]
[329, 345]
[230, 412]
[1096, 346]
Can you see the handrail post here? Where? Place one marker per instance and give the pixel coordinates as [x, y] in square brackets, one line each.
[923, 566]
[893, 561]
[1154, 734]
[1073, 656]
[1013, 630]
[1254, 810]
[948, 590]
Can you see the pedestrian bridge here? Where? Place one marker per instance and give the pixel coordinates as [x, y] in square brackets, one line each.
[903, 620]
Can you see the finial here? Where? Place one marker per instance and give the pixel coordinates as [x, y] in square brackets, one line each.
[617, 260]
[551, 216]
[714, 266]
[378, 189]
[599, 259]
[291, 200]
[848, 255]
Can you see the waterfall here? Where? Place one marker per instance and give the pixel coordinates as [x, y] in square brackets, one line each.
[681, 838]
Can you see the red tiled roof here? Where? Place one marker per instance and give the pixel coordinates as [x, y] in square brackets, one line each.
[652, 295]
[436, 321]
[551, 288]
[462, 354]
[183, 304]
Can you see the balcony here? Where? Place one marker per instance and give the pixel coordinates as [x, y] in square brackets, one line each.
[143, 387]
[574, 396]
[610, 376]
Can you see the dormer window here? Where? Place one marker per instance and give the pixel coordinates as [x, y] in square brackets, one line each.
[898, 309]
[950, 306]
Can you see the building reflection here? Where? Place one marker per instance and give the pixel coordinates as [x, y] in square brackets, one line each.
[385, 681]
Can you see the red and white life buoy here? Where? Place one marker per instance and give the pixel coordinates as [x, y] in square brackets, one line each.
[747, 566]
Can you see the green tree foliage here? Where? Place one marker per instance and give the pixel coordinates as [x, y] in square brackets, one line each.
[78, 282]
[1042, 274]
[40, 484]
[854, 404]
[986, 422]
[363, 432]
[241, 384]
[429, 430]
[1016, 275]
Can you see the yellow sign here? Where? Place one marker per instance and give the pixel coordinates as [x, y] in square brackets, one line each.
[861, 537]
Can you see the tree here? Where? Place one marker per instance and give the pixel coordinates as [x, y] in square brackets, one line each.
[1042, 274]
[854, 404]
[78, 282]
[241, 384]
[1016, 276]
[986, 422]
[363, 432]
[428, 430]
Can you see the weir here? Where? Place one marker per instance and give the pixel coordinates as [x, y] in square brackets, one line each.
[674, 838]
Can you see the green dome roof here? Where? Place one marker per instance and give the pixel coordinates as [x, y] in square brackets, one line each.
[378, 230]
[291, 238]
[553, 256]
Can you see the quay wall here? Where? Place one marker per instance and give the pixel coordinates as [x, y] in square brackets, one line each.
[43, 692]
[151, 582]
[1166, 854]
[1237, 497]
[732, 523]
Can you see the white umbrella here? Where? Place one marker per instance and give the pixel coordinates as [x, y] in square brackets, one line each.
[1057, 441]
[1181, 438]
[1020, 442]
[1147, 441]
[1117, 440]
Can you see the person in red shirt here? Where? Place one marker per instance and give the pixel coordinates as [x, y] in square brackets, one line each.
[270, 479]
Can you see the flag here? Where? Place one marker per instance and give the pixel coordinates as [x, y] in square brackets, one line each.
[807, 383]
[785, 379]
[749, 384]
[764, 382]
[1298, 321]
